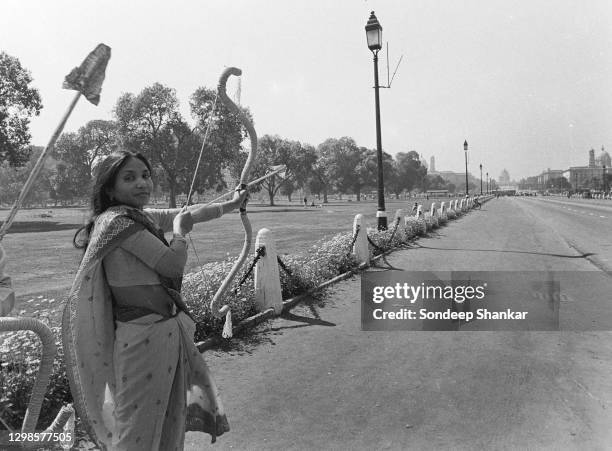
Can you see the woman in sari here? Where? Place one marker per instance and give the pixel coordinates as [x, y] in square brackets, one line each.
[137, 379]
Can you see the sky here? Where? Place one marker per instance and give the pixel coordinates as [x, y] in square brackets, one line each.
[527, 83]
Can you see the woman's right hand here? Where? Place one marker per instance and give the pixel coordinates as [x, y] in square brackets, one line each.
[182, 223]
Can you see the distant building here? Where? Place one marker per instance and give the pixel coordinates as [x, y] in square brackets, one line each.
[588, 177]
[504, 178]
[456, 178]
[591, 176]
[603, 159]
[547, 177]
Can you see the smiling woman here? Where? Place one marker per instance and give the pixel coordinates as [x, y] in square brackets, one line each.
[137, 380]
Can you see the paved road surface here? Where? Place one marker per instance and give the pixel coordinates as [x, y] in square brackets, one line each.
[585, 224]
[314, 380]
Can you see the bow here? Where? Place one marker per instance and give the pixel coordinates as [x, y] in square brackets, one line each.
[215, 305]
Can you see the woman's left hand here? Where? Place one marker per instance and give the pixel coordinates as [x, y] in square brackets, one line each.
[241, 198]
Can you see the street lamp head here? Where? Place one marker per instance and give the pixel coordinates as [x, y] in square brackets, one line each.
[481, 167]
[374, 33]
[465, 145]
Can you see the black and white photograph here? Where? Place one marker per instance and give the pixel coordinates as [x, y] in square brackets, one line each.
[305, 225]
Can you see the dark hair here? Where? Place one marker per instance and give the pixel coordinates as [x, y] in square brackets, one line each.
[105, 178]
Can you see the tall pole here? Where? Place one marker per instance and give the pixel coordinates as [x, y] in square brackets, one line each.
[604, 178]
[487, 183]
[380, 214]
[481, 179]
[465, 147]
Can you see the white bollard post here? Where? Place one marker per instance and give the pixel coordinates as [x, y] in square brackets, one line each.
[360, 248]
[267, 279]
[420, 217]
[399, 214]
[432, 209]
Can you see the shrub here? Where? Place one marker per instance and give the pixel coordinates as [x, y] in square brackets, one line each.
[324, 260]
[200, 287]
[416, 226]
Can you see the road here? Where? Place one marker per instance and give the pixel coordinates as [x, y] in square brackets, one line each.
[315, 380]
[585, 224]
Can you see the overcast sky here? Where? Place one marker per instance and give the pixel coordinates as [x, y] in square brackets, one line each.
[527, 83]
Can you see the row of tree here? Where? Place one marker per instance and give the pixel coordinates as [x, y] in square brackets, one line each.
[150, 122]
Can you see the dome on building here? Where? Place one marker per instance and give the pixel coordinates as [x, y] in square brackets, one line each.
[603, 158]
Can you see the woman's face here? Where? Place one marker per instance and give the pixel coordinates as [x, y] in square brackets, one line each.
[133, 184]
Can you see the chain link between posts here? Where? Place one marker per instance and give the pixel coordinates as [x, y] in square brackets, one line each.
[397, 221]
[259, 253]
[357, 227]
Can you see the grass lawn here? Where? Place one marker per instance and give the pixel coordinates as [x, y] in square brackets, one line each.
[42, 261]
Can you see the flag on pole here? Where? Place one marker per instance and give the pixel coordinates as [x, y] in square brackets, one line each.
[88, 77]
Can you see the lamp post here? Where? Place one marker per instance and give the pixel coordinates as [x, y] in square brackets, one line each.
[487, 183]
[481, 179]
[374, 38]
[465, 147]
[604, 178]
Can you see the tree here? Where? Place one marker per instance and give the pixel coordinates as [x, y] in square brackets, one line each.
[320, 180]
[78, 153]
[394, 181]
[434, 182]
[64, 186]
[151, 124]
[72, 174]
[316, 181]
[411, 171]
[18, 103]
[370, 178]
[98, 138]
[272, 150]
[345, 165]
[12, 180]
[287, 188]
[300, 163]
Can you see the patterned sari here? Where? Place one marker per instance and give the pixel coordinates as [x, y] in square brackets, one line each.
[137, 384]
